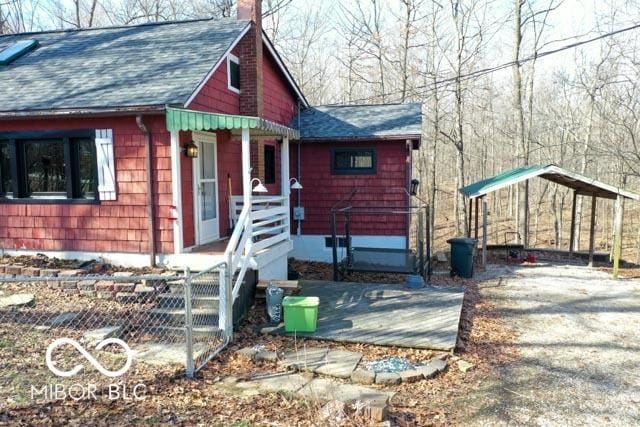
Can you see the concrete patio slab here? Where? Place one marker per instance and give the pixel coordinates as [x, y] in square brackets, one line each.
[384, 314]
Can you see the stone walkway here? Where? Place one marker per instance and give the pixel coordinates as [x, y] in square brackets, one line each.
[321, 389]
[343, 364]
[384, 314]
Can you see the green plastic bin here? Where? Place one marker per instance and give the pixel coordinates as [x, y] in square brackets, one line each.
[300, 313]
[462, 252]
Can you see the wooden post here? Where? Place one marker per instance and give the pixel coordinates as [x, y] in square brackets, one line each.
[484, 232]
[617, 239]
[477, 216]
[334, 247]
[470, 215]
[573, 222]
[592, 229]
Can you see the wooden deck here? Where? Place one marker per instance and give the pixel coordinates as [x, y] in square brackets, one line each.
[384, 314]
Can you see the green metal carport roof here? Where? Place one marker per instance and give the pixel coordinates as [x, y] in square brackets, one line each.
[581, 184]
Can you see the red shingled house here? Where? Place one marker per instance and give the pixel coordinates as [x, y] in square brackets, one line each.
[144, 144]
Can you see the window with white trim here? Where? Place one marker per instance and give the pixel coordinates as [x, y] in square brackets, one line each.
[233, 73]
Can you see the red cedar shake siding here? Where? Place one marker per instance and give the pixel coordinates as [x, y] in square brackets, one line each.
[215, 96]
[280, 102]
[110, 226]
[322, 190]
[121, 225]
[279, 105]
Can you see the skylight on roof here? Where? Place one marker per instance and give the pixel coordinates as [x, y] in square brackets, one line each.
[16, 50]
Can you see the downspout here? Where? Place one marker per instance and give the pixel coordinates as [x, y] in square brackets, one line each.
[150, 211]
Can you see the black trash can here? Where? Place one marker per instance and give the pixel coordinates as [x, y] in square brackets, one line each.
[462, 252]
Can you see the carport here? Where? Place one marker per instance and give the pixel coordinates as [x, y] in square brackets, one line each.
[582, 186]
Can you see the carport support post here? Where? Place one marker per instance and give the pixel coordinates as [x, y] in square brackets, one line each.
[617, 236]
[484, 232]
[470, 214]
[573, 222]
[477, 217]
[592, 229]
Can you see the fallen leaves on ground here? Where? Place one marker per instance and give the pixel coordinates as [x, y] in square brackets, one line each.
[485, 341]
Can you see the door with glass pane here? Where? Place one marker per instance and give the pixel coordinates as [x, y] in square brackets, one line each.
[206, 189]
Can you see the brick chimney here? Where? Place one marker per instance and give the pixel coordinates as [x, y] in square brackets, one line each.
[250, 54]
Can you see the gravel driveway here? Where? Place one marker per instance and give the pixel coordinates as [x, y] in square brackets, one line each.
[579, 350]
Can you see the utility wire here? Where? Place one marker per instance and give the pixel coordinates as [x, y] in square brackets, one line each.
[484, 71]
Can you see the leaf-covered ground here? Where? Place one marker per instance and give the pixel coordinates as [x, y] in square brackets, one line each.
[172, 399]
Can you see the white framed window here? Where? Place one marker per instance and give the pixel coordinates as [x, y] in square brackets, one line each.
[233, 73]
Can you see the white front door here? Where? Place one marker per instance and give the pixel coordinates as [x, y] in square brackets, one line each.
[206, 189]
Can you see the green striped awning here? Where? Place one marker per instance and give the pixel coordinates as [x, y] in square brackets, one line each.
[183, 119]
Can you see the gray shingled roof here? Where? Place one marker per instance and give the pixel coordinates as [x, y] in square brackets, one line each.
[359, 121]
[152, 64]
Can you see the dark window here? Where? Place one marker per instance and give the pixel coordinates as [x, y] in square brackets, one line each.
[45, 168]
[269, 164]
[86, 161]
[348, 161]
[48, 165]
[234, 73]
[5, 170]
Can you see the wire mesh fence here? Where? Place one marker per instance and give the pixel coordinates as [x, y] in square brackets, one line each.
[79, 336]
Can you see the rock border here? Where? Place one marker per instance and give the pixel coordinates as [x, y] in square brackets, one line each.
[360, 375]
[78, 281]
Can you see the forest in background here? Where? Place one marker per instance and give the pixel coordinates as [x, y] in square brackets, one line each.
[504, 83]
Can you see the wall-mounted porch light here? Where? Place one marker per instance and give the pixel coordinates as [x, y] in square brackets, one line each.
[414, 187]
[295, 185]
[259, 188]
[191, 150]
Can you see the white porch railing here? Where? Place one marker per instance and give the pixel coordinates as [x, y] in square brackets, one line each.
[255, 231]
[261, 231]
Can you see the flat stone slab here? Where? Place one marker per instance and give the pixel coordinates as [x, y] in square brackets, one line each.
[64, 318]
[326, 389]
[94, 336]
[432, 368]
[166, 354]
[363, 376]
[305, 359]
[286, 382]
[18, 300]
[383, 314]
[388, 378]
[265, 355]
[249, 352]
[339, 363]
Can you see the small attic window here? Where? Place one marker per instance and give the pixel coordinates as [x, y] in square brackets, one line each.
[16, 50]
[233, 73]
